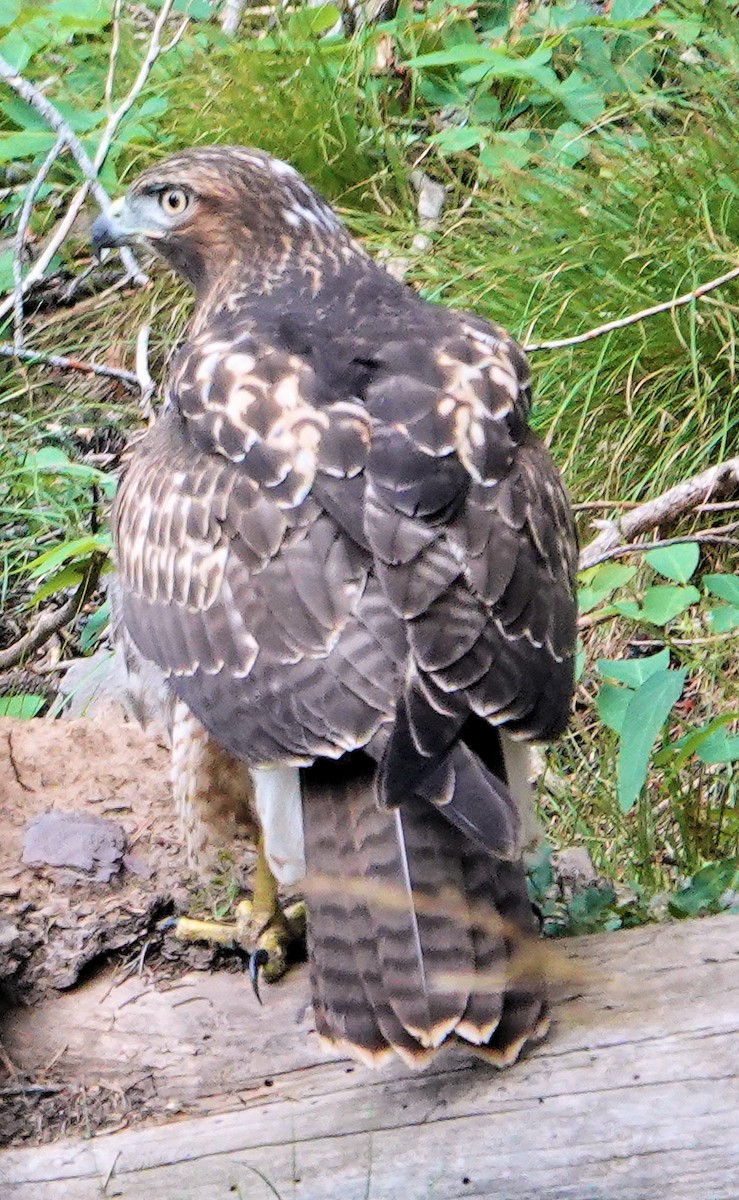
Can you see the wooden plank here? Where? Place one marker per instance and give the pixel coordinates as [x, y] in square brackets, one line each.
[633, 1095]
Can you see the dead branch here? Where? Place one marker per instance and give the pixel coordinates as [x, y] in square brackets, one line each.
[52, 621]
[19, 240]
[231, 16]
[89, 167]
[717, 537]
[713, 483]
[622, 322]
[37, 358]
[54, 119]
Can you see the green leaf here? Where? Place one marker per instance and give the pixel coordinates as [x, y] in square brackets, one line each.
[67, 577]
[706, 888]
[94, 627]
[597, 583]
[569, 145]
[647, 712]
[633, 671]
[6, 271]
[9, 10]
[664, 602]
[723, 618]
[680, 751]
[611, 704]
[27, 143]
[628, 608]
[76, 548]
[581, 99]
[724, 586]
[309, 22]
[631, 10]
[674, 562]
[507, 151]
[21, 706]
[458, 138]
[718, 747]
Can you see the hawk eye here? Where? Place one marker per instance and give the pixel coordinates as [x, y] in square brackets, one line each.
[174, 201]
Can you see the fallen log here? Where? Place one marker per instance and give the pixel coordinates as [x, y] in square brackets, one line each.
[634, 1094]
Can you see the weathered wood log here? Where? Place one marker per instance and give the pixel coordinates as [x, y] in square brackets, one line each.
[634, 1095]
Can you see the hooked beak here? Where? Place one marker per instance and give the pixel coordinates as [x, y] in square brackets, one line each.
[113, 228]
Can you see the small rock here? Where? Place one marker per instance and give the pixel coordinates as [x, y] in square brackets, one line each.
[573, 869]
[86, 843]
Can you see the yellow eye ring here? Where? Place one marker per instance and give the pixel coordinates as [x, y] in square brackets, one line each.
[174, 201]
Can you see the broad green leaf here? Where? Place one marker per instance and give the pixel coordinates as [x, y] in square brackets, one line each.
[505, 152]
[628, 608]
[94, 627]
[718, 747]
[21, 706]
[634, 671]
[6, 271]
[664, 602]
[581, 98]
[67, 577]
[631, 10]
[611, 703]
[724, 586]
[597, 583]
[680, 751]
[569, 144]
[458, 138]
[77, 548]
[647, 712]
[674, 562]
[27, 143]
[309, 22]
[9, 10]
[724, 618]
[705, 888]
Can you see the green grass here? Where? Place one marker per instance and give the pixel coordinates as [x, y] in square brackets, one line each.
[545, 241]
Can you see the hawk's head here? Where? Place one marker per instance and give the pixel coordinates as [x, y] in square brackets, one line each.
[205, 208]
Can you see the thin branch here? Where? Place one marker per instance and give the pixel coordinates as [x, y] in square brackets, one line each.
[143, 374]
[622, 322]
[54, 119]
[19, 241]
[231, 16]
[715, 482]
[51, 622]
[89, 167]
[38, 358]
[114, 48]
[716, 536]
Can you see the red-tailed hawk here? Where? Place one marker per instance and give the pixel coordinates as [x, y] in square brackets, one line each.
[355, 564]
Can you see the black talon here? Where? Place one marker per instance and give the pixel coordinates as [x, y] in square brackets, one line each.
[258, 959]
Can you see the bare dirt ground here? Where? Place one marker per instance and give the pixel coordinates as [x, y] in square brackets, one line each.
[62, 925]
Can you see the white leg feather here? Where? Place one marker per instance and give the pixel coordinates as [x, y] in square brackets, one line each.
[280, 811]
[521, 770]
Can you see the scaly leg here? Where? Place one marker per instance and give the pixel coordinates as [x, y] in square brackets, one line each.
[261, 926]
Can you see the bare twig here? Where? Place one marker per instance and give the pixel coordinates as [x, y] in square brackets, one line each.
[114, 48]
[143, 375]
[89, 167]
[231, 16]
[19, 240]
[721, 480]
[7, 350]
[52, 621]
[718, 537]
[622, 322]
[54, 119]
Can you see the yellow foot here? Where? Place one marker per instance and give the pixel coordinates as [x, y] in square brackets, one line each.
[277, 933]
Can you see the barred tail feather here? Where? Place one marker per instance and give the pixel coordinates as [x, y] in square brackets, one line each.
[412, 928]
